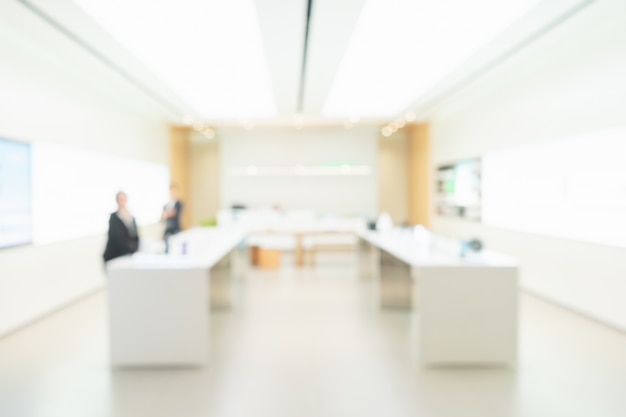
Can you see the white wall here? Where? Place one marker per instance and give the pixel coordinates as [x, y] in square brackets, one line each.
[53, 92]
[571, 81]
[311, 146]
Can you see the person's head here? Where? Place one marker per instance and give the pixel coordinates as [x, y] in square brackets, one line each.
[173, 190]
[121, 199]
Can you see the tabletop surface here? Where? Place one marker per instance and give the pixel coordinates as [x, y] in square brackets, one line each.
[426, 249]
[200, 247]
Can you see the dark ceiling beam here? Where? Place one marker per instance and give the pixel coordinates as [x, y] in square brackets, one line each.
[300, 106]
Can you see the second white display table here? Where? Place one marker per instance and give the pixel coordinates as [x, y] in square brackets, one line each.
[467, 306]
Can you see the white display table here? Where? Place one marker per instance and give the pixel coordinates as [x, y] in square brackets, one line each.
[159, 304]
[300, 231]
[467, 306]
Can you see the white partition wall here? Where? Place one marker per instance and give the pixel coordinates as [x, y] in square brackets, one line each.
[56, 95]
[74, 191]
[570, 84]
[574, 188]
[326, 169]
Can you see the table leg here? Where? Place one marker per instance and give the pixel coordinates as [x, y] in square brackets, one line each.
[298, 252]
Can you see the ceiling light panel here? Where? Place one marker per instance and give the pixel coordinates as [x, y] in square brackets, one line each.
[209, 52]
[402, 48]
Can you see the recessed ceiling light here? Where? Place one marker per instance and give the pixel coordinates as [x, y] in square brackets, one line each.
[428, 40]
[228, 78]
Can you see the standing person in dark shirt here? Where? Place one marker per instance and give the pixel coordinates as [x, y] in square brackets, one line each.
[123, 238]
[171, 215]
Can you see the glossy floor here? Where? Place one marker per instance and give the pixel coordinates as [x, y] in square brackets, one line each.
[313, 342]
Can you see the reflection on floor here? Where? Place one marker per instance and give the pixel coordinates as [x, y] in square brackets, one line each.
[312, 342]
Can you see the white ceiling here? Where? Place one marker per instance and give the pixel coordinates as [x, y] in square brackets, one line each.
[282, 25]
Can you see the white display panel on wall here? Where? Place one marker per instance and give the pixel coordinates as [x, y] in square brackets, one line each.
[15, 195]
[74, 191]
[572, 188]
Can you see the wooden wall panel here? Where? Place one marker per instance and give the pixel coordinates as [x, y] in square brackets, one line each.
[392, 176]
[180, 168]
[205, 180]
[418, 174]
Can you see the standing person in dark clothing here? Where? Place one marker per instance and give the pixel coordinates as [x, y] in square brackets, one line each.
[171, 215]
[123, 238]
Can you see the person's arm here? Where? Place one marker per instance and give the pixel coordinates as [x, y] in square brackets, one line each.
[172, 212]
[135, 240]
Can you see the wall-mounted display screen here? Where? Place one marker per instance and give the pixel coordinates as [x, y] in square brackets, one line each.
[458, 191]
[572, 188]
[15, 194]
